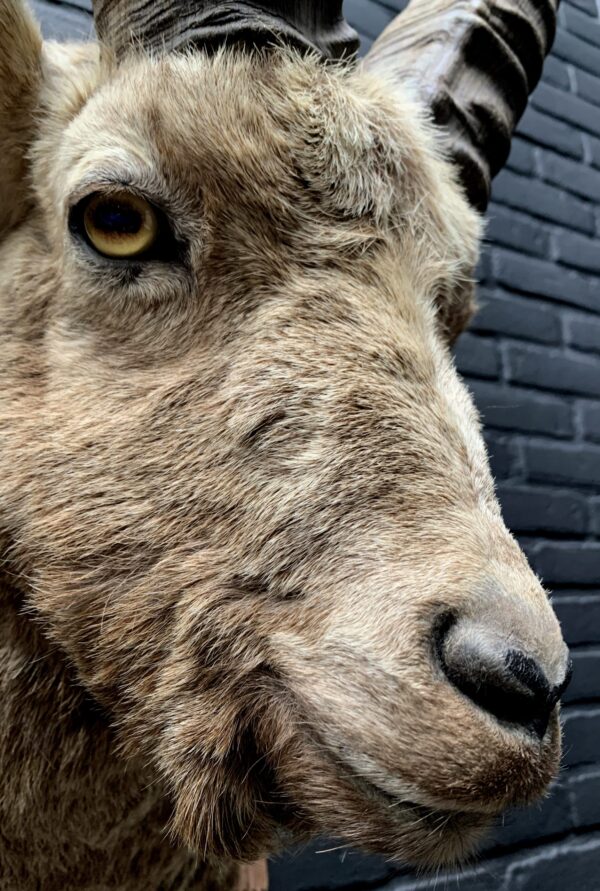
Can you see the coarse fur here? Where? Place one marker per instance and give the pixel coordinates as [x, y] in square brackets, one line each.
[239, 489]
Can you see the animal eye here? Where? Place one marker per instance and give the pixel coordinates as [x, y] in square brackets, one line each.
[119, 225]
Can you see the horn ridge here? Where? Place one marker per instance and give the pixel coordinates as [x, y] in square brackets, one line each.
[474, 62]
[170, 25]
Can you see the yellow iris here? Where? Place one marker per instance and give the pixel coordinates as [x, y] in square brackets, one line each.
[120, 224]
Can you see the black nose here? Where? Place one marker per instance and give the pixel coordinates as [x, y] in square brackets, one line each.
[505, 682]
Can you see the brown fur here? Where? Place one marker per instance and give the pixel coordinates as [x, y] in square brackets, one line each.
[237, 492]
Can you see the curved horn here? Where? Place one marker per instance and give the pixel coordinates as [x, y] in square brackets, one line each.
[171, 24]
[475, 62]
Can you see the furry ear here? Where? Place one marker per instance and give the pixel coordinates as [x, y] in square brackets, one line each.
[20, 78]
[455, 309]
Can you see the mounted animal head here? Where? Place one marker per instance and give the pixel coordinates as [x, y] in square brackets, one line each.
[242, 486]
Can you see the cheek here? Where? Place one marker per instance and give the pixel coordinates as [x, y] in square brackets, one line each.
[123, 316]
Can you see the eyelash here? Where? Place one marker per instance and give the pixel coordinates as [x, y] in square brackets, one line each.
[167, 248]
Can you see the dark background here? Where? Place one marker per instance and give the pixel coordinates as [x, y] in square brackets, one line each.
[532, 359]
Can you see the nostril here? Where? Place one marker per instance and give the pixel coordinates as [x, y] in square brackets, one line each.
[527, 673]
[508, 684]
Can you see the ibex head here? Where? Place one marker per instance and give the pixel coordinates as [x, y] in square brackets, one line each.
[242, 485]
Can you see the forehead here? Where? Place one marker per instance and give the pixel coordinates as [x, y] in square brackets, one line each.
[220, 119]
[247, 126]
[263, 150]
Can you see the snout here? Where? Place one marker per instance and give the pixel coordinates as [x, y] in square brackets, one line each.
[501, 679]
[439, 711]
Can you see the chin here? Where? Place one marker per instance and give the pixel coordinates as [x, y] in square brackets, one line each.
[422, 824]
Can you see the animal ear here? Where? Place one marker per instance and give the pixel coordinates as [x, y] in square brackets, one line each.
[20, 77]
[455, 309]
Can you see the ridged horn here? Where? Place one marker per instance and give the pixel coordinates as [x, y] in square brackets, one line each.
[475, 62]
[167, 25]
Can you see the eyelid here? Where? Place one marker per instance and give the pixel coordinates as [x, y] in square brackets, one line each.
[90, 187]
[118, 169]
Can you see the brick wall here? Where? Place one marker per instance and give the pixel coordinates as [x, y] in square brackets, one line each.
[532, 359]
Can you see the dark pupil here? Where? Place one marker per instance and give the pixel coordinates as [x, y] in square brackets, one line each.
[115, 217]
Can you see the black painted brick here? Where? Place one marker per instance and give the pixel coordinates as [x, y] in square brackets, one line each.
[577, 251]
[543, 129]
[545, 279]
[511, 409]
[581, 735]
[574, 866]
[588, 6]
[579, 617]
[584, 787]
[586, 676]
[576, 593]
[578, 52]
[554, 370]
[368, 17]
[61, 22]
[483, 271]
[583, 332]
[556, 73]
[365, 44]
[551, 817]
[520, 317]
[542, 200]
[589, 419]
[588, 86]
[559, 562]
[570, 175]
[567, 107]
[527, 509]
[562, 463]
[502, 454]
[594, 506]
[516, 231]
[319, 867]
[582, 25]
[477, 356]
[521, 157]
[594, 149]
[569, 865]
[396, 5]
[487, 877]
